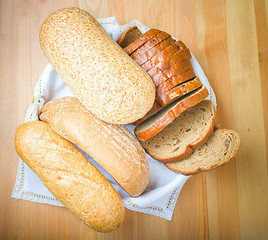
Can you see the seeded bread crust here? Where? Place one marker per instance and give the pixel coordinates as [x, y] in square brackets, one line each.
[103, 77]
[165, 116]
[141, 40]
[227, 140]
[178, 91]
[174, 81]
[129, 36]
[178, 131]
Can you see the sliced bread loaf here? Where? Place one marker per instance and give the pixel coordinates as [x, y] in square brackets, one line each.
[188, 131]
[129, 36]
[153, 125]
[218, 150]
[141, 40]
[177, 92]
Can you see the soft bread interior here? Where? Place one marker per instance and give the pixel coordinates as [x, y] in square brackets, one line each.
[129, 36]
[186, 130]
[218, 150]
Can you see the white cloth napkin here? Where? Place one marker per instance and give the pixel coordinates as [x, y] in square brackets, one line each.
[164, 186]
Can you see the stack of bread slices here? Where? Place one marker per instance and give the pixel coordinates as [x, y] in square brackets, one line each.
[179, 129]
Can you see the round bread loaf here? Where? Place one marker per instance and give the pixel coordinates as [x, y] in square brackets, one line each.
[103, 77]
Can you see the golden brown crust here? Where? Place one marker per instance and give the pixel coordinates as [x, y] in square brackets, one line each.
[111, 146]
[141, 40]
[68, 175]
[181, 106]
[177, 68]
[178, 91]
[174, 81]
[139, 55]
[103, 77]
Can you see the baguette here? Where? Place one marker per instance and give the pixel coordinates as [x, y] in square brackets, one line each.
[111, 146]
[188, 131]
[153, 125]
[74, 181]
[103, 77]
[220, 148]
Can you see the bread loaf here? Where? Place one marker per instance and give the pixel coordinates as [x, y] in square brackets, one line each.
[111, 146]
[103, 77]
[74, 181]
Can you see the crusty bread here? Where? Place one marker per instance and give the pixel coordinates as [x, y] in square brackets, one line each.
[160, 76]
[129, 36]
[174, 81]
[139, 55]
[153, 125]
[162, 56]
[111, 146]
[158, 48]
[168, 60]
[74, 181]
[141, 40]
[218, 150]
[178, 91]
[188, 131]
[103, 77]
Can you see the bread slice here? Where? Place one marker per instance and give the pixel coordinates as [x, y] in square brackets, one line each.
[141, 40]
[188, 131]
[161, 56]
[177, 92]
[139, 55]
[174, 81]
[218, 150]
[153, 125]
[129, 36]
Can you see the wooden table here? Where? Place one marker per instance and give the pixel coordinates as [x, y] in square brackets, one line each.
[229, 39]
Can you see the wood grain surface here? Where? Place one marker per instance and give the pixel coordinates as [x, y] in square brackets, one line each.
[230, 40]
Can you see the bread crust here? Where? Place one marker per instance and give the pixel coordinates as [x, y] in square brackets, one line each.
[211, 168]
[168, 60]
[140, 56]
[111, 146]
[169, 117]
[141, 40]
[174, 81]
[178, 91]
[103, 77]
[74, 181]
